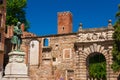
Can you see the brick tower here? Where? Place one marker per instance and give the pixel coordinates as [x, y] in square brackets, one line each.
[2, 32]
[64, 22]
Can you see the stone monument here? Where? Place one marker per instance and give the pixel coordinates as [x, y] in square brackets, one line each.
[16, 69]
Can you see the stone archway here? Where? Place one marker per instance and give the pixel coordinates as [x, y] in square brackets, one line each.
[82, 54]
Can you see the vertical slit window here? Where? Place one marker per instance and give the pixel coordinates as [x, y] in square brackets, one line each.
[63, 28]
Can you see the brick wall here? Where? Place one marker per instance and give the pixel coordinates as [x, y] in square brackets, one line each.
[2, 32]
[64, 22]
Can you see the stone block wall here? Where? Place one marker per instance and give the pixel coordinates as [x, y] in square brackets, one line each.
[59, 59]
[55, 60]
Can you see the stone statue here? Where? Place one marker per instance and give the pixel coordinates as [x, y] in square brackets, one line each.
[16, 38]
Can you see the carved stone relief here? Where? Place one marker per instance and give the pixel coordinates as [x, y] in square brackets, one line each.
[98, 36]
[95, 36]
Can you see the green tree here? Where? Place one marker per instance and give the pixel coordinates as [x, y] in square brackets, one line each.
[116, 45]
[98, 70]
[16, 12]
[97, 67]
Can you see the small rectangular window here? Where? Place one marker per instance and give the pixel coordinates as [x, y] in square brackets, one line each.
[54, 59]
[46, 42]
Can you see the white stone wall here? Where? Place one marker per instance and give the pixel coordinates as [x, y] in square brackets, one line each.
[34, 52]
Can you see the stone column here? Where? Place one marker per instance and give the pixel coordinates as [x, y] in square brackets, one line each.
[16, 69]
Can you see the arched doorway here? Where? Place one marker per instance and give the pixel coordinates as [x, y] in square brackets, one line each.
[96, 66]
[84, 53]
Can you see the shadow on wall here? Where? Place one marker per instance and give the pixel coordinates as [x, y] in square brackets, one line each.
[118, 78]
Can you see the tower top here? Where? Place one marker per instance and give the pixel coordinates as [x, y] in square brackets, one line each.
[64, 22]
[64, 13]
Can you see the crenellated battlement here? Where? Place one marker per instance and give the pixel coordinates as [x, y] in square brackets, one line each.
[65, 13]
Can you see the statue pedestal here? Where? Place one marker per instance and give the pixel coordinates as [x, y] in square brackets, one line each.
[16, 69]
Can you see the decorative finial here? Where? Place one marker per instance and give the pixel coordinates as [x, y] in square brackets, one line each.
[109, 23]
[80, 26]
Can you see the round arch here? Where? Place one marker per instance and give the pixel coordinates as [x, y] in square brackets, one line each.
[94, 48]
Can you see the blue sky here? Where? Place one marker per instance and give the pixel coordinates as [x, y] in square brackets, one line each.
[42, 14]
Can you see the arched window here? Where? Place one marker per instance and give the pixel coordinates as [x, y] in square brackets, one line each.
[46, 42]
